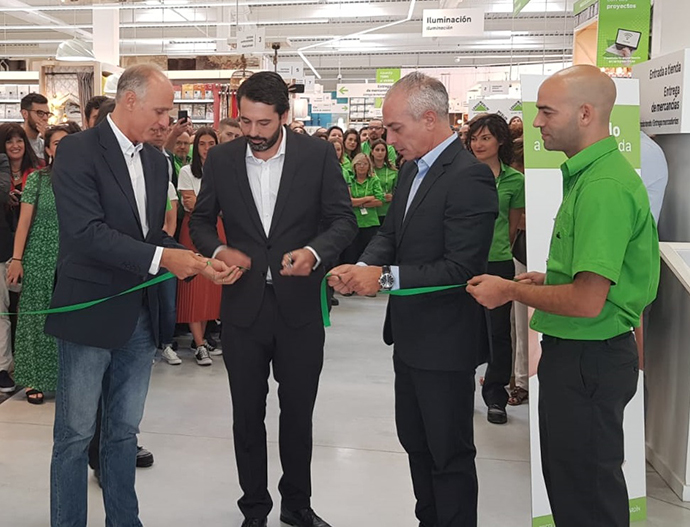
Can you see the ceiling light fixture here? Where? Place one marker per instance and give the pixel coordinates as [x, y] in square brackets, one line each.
[300, 51]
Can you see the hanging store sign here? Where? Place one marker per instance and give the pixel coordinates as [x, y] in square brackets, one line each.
[664, 85]
[362, 90]
[453, 23]
[623, 36]
[251, 38]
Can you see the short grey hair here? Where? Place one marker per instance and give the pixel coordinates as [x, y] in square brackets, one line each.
[136, 79]
[423, 93]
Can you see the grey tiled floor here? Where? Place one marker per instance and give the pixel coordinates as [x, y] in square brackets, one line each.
[360, 473]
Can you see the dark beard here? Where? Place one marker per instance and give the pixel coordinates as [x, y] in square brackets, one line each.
[267, 144]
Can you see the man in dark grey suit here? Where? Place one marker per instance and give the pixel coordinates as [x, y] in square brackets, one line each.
[285, 209]
[437, 232]
[110, 192]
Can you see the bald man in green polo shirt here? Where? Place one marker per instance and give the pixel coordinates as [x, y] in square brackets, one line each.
[603, 269]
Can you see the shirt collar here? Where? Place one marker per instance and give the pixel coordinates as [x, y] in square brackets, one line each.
[128, 148]
[583, 159]
[431, 156]
[280, 152]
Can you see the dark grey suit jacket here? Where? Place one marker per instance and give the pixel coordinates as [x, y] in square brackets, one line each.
[444, 239]
[102, 247]
[313, 208]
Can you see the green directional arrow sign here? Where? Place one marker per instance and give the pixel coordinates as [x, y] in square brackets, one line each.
[343, 90]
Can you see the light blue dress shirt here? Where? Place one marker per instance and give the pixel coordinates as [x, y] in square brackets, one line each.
[424, 163]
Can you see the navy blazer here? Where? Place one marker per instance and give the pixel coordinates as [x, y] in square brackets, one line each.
[444, 239]
[102, 247]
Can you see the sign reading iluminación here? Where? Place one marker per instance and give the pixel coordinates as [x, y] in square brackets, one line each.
[452, 22]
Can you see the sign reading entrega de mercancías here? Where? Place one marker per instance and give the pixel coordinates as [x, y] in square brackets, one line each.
[453, 22]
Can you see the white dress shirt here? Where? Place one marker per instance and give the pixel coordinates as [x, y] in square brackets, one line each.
[264, 181]
[188, 181]
[132, 155]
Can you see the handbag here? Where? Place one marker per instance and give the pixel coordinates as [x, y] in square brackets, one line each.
[17, 288]
[519, 247]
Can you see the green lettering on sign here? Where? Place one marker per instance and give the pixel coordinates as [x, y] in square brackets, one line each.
[387, 75]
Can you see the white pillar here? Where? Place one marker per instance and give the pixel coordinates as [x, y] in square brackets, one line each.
[670, 28]
[106, 35]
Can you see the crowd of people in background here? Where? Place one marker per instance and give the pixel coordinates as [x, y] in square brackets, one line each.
[29, 234]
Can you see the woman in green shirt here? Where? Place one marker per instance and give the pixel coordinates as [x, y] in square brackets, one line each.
[345, 164]
[490, 141]
[386, 174]
[367, 195]
[351, 143]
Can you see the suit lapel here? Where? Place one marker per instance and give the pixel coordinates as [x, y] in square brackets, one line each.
[246, 190]
[286, 179]
[404, 192]
[114, 158]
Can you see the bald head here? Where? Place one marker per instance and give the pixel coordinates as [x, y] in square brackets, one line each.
[585, 84]
[575, 107]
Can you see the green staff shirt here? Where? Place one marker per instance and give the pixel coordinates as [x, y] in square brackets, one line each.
[603, 226]
[366, 217]
[389, 179]
[510, 185]
[348, 170]
[392, 154]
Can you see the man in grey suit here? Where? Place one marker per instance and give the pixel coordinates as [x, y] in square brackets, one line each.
[437, 232]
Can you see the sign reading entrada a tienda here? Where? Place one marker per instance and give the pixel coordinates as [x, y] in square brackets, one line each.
[453, 23]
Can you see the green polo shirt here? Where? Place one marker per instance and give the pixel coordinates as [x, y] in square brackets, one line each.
[603, 226]
[392, 154]
[348, 170]
[389, 179]
[510, 185]
[370, 187]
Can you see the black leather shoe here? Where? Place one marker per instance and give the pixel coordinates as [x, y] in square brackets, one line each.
[497, 415]
[255, 522]
[144, 458]
[302, 518]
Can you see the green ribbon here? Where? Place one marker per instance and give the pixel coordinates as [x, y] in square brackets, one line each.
[412, 291]
[91, 303]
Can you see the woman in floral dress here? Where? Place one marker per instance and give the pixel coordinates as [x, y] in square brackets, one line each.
[33, 262]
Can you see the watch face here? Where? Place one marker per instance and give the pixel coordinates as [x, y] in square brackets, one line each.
[386, 281]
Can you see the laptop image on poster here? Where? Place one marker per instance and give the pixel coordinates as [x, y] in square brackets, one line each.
[627, 42]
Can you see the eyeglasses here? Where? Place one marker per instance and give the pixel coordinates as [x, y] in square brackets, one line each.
[376, 128]
[42, 114]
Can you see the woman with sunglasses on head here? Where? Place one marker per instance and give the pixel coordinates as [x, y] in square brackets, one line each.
[198, 301]
[386, 174]
[490, 141]
[33, 265]
[23, 161]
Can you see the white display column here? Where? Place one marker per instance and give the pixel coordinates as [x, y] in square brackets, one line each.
[670, 26]
[106, 35]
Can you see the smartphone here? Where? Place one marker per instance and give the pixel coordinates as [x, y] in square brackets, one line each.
[182, 115]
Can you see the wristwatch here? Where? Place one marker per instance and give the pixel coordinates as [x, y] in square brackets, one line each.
[386, 280]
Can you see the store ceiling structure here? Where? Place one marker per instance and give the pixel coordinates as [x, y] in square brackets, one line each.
[187, 28]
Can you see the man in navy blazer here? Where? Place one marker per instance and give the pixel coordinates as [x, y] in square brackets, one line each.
[110, 192]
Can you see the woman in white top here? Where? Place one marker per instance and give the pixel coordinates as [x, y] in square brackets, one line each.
[198, 301]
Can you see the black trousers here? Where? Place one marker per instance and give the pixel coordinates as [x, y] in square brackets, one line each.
[364, 235]
[500, 366]
[433, 415]
[297, 358]
[584, 387]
